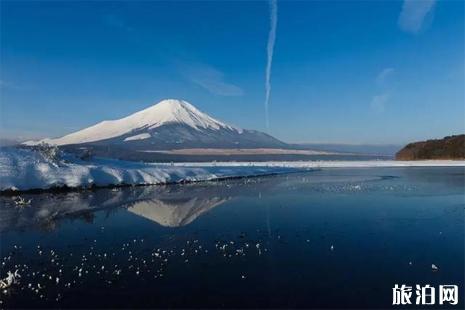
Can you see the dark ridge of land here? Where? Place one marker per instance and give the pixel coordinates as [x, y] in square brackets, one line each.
[450, 147]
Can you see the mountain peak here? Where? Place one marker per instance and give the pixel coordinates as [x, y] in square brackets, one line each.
[176, 111]
[174, 104]
[168, 111]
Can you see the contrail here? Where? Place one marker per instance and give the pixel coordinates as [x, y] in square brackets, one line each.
[269, 49]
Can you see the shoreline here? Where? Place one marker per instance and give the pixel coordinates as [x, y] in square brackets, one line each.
[69, 189]
[26, 170]
[287, 168]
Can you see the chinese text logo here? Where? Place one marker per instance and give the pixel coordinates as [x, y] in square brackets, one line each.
[425, 295]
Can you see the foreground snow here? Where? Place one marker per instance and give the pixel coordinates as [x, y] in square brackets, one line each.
[22, 169]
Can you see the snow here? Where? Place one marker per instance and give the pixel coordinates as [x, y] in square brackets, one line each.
[23, 169]
[10, 279]
[165, 112]
[141, 136]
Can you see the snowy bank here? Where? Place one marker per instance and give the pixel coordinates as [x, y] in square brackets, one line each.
[22, 169]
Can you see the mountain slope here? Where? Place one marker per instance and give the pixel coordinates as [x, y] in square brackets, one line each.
[170, 124]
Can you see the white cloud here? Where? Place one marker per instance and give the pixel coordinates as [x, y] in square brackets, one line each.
[384, 75]
[210, 79]
[413, 14]
[269, 53]
[378, 103]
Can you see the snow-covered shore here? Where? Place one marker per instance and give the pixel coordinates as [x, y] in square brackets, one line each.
[22, 169]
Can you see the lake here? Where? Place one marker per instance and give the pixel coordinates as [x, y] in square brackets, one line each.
[330, 238]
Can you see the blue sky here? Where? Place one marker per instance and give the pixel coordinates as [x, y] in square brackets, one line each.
[342, 71]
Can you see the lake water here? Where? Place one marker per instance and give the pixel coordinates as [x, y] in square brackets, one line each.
[325, 238]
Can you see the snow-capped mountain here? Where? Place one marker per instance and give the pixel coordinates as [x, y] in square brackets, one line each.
[170, 124]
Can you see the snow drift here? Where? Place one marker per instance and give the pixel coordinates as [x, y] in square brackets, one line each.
[23, 169]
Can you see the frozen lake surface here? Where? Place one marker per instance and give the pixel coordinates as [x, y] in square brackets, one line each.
[336, 237]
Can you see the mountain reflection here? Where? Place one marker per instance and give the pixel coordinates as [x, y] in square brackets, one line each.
[175, 212]
[169, 206]
[180, 205]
